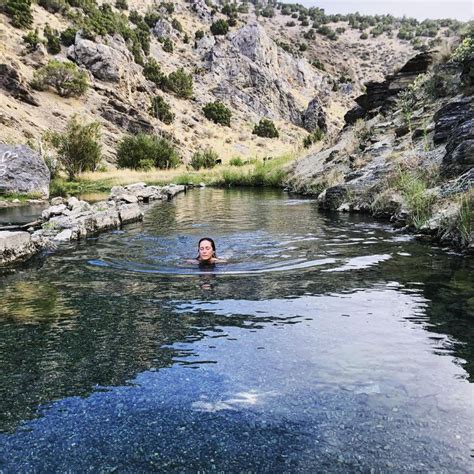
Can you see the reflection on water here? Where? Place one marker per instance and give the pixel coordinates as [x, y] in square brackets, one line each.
[327, 343]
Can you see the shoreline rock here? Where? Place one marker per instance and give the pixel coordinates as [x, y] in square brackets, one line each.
[71, 219]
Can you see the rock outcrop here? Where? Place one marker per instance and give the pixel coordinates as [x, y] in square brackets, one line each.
[381, 95]
[22, 170]
[314, 117]
[111, 62]
[72, 219]
[15, 246]
[253, 73]
[16, 85]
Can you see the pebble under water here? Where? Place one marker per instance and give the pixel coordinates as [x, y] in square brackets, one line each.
[327, 343]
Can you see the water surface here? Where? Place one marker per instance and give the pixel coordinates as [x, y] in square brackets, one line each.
[327, 343]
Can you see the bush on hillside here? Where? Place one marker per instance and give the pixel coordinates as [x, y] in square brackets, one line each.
[65, 77]
[180, 83]
[152, 72]
[177, 25]
[32, 39]
[220, 27]
[53, 44]
[121, 4]
[167, 45]
[54, 6]
[20, 13]
[204, 159]
[133, 150]
[78, 147]
[151, 18]
[198, 35]
[265, 128]
[68, 36]
[161, 110]
[313, 137]
[217, 112]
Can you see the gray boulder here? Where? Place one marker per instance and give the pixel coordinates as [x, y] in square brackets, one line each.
[111, 62]
[130, 213]
[314, 116]
[22, 170]
[15, 246]
[164, 29]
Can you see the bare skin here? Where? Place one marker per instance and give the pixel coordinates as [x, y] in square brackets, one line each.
[206, 254]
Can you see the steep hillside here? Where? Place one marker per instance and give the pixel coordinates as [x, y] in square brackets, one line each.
[272, 62]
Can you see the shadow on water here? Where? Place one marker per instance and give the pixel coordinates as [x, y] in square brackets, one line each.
[326, 341]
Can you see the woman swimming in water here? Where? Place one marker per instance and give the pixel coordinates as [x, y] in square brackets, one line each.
[207, 253]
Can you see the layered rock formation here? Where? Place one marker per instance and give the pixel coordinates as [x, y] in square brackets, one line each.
[252, 73]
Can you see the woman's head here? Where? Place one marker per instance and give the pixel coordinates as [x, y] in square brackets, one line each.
[206, 249]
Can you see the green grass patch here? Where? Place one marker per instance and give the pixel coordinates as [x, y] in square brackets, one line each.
[21, 197]
[61, 187]
[418, 198]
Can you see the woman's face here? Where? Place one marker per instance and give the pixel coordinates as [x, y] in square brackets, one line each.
[205, 250]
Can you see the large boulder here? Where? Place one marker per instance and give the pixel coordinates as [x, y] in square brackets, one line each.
[15, 246]
[111, 62]
[22, 170]
[16, 85]
[314, 117]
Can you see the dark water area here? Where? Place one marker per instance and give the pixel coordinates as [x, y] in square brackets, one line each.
[327, 343]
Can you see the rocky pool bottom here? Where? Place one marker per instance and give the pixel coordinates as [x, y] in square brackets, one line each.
[327, 343]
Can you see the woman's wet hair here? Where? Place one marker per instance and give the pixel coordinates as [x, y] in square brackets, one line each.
[213, 245]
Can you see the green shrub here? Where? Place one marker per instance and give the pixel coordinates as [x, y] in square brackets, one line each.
[268, 12]
[364, 36]
[186, 38]
[121, 4]
[65, 77]
[313, 137]
[220, 27]
[78, 147]
[68, 36]
[135, 17]
[418, 199]
[318, 64]
[152, 72]
[168, 6]
[464, 50]
[180, 83]
[204, 159]
[177, 25]
[217, 112]
[161, 110]
[237, 161]
[146, 165]
[151, 18]
[20, 13]
[32, 39]
[167, 45]
[265, 128]
[303, 47]
[53, 6]
[199, 35]
[53, 44]
[290, 23]
[326, 31]
[133, 150]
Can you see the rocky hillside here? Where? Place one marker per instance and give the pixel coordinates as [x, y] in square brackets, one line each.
[406, 152]
[296, 66]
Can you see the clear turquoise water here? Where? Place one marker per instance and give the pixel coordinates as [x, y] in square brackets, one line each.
[328, 343]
